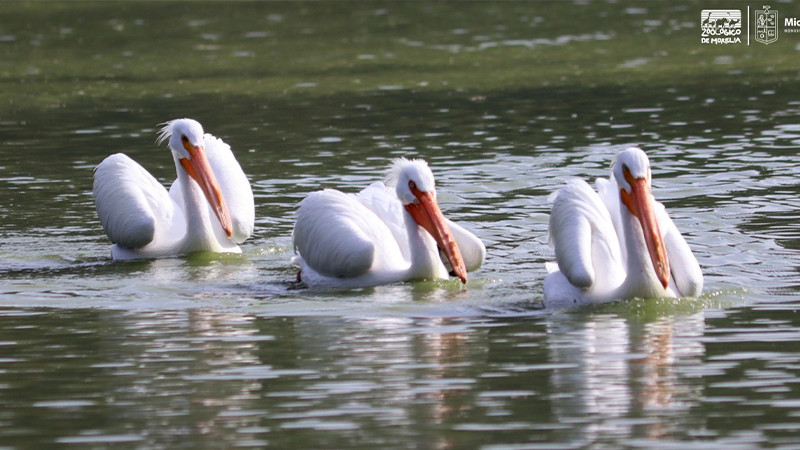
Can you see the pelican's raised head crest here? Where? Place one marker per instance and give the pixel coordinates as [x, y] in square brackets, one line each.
[630, 164]
[407, 173]
[180, 133]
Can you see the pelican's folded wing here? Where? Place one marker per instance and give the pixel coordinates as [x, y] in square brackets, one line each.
[129, 201]
[472, 249]
[234, 185]
[582, 234]
[383, 202]
[684, 267]
[333, 234]
[608, 191]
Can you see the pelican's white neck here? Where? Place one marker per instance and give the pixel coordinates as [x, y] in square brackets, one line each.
[641, 279]
[195, 209]
[424, 253]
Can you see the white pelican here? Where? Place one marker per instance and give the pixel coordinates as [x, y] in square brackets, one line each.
[619, 244]
[209, 207]
[383, 234]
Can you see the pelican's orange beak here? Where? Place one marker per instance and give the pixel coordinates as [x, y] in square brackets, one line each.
[640, 203]
[428, 215]
[199, 169]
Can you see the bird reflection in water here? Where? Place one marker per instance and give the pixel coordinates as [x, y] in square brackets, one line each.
[613, 370]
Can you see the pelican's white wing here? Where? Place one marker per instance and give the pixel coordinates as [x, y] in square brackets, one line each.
[336, 235]
[472, 249]
[582, 233]
[129, 201]
[608, 190]
[683, 265]
[234, 185]
[383, 202]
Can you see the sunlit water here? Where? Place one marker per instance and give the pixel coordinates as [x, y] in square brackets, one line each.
[228, 350]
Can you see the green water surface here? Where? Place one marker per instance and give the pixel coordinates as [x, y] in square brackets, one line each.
[505, 100]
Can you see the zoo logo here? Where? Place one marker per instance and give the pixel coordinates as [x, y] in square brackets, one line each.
[721, 26]
[766, 26]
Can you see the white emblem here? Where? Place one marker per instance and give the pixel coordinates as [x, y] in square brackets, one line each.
[766, 26]
[720, 26]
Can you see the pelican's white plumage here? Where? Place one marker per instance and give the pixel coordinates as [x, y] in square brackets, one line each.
[386, 233]
[618, 242]
[209, 207]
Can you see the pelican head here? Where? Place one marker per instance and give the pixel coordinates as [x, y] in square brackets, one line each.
[183, 135]
[186, 140]
[632, 172]
[405, 173]
[416, 189]
[632, 160]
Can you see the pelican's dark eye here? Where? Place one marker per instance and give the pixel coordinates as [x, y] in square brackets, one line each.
[184, 138]
[625, 168]
[412, 185]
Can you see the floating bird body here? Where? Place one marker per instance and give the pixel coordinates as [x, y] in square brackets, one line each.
[617, 243]
[209, 207]
[384, 234]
